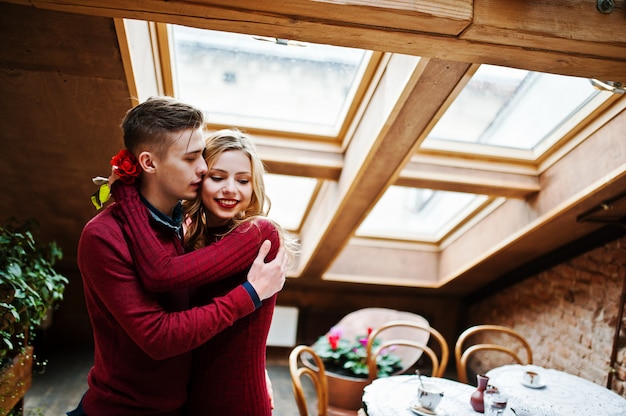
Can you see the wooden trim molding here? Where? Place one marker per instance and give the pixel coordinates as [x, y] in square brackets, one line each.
[570, 38]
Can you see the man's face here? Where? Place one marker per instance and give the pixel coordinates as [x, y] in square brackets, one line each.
[180, 172]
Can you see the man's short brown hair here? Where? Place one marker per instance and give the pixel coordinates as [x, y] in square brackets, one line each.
[146, 125]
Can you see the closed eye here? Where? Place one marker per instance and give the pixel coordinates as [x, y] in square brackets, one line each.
[194, 156]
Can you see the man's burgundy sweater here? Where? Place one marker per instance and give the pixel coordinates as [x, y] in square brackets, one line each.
[142, 358]
[162, 271]
[228, 372]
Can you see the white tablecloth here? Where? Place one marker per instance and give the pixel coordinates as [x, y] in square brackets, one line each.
[563, 394]
[391, 396]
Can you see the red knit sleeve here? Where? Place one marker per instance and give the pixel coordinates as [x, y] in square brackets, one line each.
[114, 293]
[160, 271]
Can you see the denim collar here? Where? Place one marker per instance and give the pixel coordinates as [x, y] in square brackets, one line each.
[175, 223]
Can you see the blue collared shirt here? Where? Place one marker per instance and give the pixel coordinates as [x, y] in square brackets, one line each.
[174, 223]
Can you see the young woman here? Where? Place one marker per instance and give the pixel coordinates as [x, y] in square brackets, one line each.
[228, 372]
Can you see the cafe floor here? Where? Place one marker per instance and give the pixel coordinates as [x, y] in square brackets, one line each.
[64, 381]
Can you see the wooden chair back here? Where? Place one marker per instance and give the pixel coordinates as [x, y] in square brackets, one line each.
[357, 322]
[297, 370]
[462, 355]
[439, 364]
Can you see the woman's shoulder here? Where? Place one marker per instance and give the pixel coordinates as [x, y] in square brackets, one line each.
[263, 222]
[263, 225]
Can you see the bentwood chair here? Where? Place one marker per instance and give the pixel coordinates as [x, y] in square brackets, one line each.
[484, 338]
[356, 324]
[318, 376]
[407, 339]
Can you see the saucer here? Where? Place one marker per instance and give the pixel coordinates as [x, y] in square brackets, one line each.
[539, 385]
[422, 411]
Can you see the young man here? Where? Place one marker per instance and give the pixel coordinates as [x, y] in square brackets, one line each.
[143, 341]
[232, 201]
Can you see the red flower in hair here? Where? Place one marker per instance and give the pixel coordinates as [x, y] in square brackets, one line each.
[125, 166]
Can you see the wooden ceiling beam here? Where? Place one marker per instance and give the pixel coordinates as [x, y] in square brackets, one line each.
[470, 180]
[286, 159]
[572, 26]
[512, 234]
[327, 165]
[384, 141]
[569, 38]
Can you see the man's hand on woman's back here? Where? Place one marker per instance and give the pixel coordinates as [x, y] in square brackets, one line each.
[268, 278]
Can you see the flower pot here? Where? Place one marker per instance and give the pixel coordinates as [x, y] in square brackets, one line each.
[344, 393]
[15, 380]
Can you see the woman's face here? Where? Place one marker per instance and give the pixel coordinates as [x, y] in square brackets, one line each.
[227, 188]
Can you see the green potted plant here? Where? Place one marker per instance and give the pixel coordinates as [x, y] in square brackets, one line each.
[348, 357]
[345, 361]
[30, 289]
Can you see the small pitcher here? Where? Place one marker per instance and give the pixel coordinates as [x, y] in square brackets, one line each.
[476, 399]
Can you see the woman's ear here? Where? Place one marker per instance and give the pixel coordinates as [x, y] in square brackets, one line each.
[146, 161]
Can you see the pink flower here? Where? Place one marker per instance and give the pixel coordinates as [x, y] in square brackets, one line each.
[336, 331]
[363, 341]
[333, 341]
[334, 335]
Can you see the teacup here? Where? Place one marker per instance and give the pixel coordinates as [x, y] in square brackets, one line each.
[429, 395]
[532, 378]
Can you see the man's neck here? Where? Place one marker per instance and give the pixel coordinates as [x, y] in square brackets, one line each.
[174, 223]
[158, 200]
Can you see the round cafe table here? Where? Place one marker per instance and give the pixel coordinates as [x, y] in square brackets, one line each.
[560, 393]
[392, 396]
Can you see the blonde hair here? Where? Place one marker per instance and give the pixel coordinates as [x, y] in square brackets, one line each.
[217, 143]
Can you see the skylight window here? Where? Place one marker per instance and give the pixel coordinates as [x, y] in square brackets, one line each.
[290, 196]
[288, 90]
[512, 108]
[264, 83]
[418, 214]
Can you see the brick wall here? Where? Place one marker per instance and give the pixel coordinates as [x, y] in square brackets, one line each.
[569, 314]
